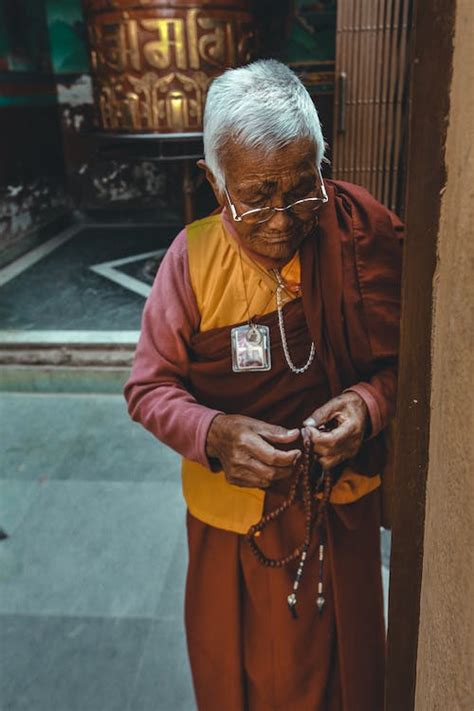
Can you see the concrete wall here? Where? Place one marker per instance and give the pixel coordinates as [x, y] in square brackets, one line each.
[445, 670]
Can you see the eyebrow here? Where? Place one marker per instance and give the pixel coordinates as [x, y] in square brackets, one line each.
[269, 185]
[266, 186]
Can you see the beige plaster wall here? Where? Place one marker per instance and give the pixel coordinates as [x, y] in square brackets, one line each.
[445, 668]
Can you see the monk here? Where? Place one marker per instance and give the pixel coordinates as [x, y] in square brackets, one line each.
[268, 353]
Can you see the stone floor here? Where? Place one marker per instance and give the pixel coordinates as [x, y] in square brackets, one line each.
[92, 573]
[75, 283]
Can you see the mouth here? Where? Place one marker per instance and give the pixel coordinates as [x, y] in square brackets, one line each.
[277, 240]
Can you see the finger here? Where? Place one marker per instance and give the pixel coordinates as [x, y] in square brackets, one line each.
[279, 434]
[267, 454]
[270, 474]
[281, 473]
[249, 480]
[323, 414]
[335, 438]
[329, 462]
[342, 450]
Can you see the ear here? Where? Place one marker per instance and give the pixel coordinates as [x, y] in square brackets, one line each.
[212, 181]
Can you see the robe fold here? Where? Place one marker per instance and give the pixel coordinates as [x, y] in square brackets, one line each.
[247, 653]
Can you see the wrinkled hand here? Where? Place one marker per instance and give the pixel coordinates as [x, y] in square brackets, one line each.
[242, 446]
[347, 417]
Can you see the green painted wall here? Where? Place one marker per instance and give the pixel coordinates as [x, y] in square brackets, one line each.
[39, 39]
[3, 40]
[43, 36]
[67, 36]
[24, 40]
[313, 33]
[25, 61]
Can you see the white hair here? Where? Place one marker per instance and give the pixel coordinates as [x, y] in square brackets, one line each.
[263, 105]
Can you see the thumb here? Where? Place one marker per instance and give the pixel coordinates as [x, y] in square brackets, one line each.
[323, 414]
[274, 433]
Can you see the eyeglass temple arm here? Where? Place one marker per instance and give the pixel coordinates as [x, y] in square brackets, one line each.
[323, 187]
[236, 217]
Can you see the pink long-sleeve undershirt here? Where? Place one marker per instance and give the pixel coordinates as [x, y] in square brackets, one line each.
[156, 389]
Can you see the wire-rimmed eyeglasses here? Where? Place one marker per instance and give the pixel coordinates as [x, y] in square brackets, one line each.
[301, 208]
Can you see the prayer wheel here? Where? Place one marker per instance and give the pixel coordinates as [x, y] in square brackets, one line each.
[153, 60]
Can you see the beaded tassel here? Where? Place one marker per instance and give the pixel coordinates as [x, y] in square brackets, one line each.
[292, 596]
[320, 600]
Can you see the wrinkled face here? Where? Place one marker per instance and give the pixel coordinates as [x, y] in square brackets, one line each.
[255, 179]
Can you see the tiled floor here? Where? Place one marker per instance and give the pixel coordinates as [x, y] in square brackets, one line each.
[92, 574]
[61, 291]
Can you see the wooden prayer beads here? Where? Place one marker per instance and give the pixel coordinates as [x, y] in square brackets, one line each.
[302, 478]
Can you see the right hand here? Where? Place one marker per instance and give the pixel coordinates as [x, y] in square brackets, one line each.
[241, 444]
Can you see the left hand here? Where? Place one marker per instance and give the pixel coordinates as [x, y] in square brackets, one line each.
[350, 416]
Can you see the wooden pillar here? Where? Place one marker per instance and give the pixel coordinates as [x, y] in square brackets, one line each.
[431, 590]
[445, 678]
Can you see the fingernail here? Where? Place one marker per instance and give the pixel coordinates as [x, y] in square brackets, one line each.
[310, 422]
[296, 457]
[292, 432]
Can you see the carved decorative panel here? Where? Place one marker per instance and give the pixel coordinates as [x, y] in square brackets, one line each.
[153, 61]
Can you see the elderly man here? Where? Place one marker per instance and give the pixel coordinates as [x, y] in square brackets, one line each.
[272, 329]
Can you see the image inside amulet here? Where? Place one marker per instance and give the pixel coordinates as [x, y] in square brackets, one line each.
[253, 335]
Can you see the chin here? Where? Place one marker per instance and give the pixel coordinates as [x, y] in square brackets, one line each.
[279, 250]
[284, 250]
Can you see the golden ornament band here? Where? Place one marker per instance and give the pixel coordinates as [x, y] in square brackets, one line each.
[152, 72]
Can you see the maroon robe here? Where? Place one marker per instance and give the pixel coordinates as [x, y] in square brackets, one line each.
[350, 308]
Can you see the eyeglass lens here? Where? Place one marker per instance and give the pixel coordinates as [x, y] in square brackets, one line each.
[301, 210]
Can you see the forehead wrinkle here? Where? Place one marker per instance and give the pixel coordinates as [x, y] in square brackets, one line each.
[268, 184]
[263, 185]
[258, 165]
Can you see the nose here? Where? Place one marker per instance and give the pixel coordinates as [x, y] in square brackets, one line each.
[280, 221]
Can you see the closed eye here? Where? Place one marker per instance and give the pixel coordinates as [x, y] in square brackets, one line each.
[302, 191]
[256, 201]
[255, 204]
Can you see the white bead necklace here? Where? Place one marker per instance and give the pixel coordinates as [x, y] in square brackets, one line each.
[312, 353]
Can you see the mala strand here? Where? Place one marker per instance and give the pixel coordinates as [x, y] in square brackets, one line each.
[301, 479]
